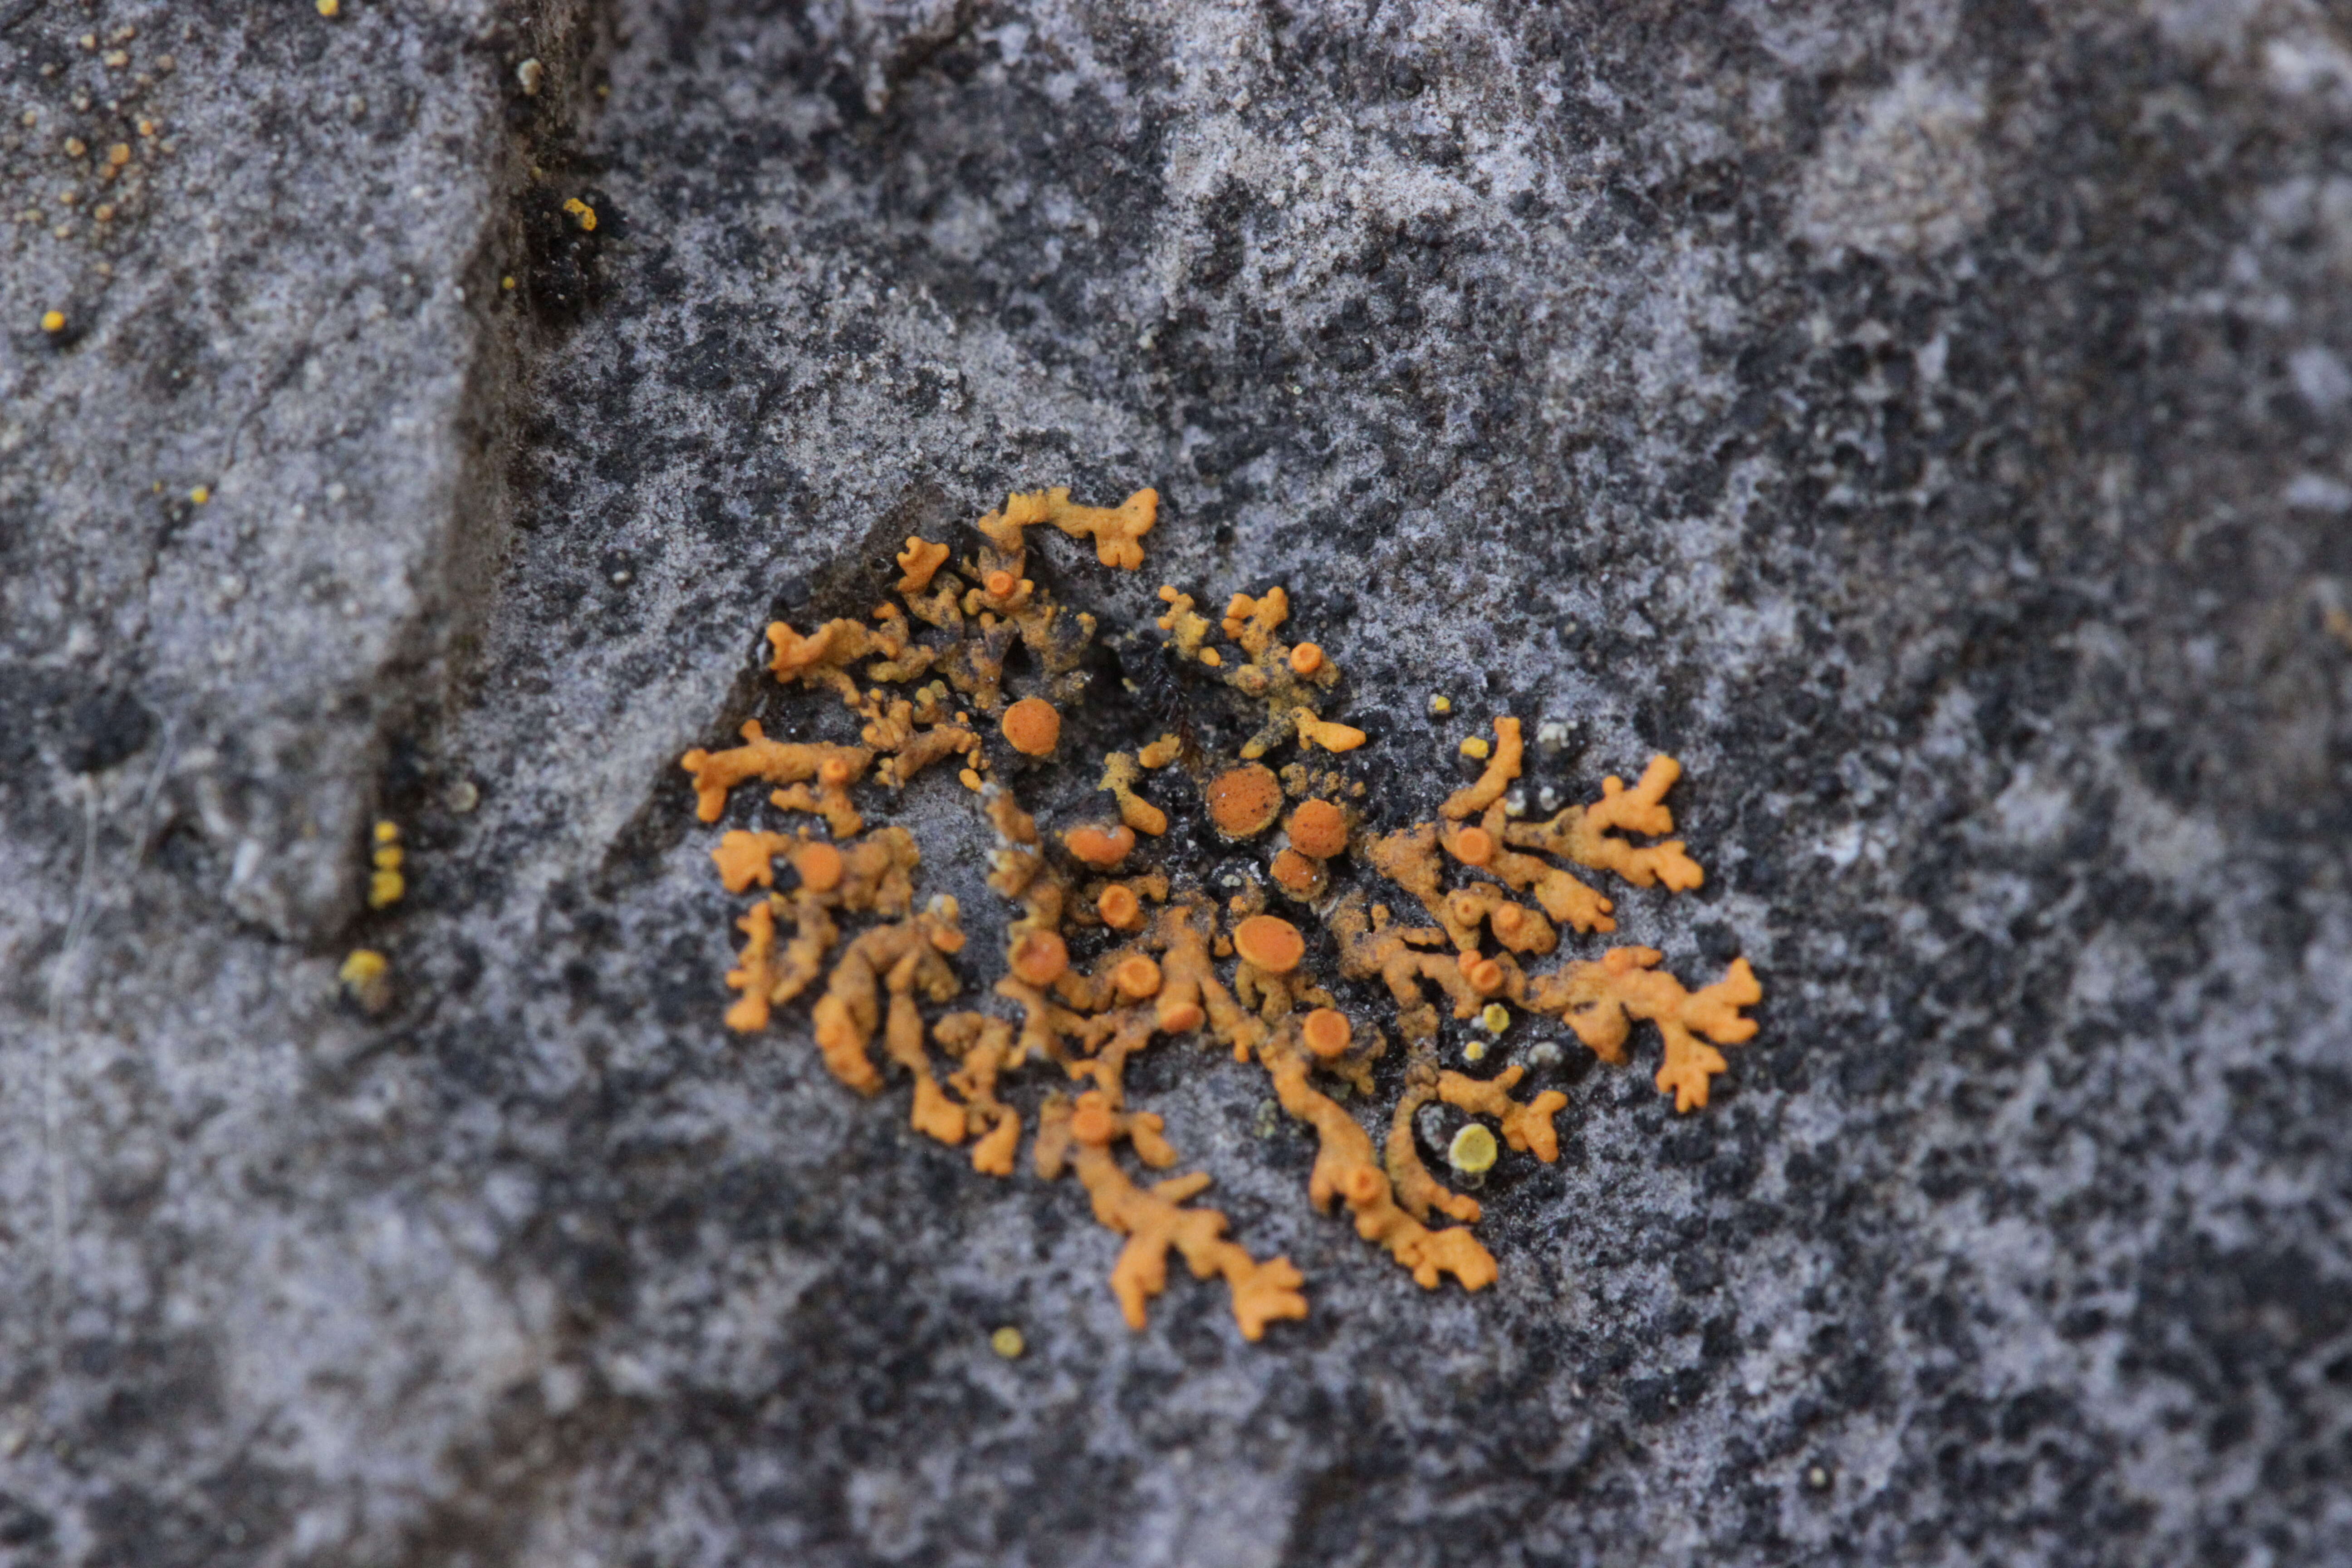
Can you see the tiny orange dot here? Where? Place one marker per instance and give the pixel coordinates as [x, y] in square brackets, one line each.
[820, 866]
[1101, 848]
[1039, 958]
[1137, 977]
[1361, 1186]
[1474, 846]
[1306, 658]
[1180, 1017]
[1328, 1032]
[1318, 828]
[1001, 585]
[1094, 1124]
[1486, 975]
[1270, 943]
[1119, 908]
[1211, 657]
[1243, 801]
[1509, 920]
[1032, 726]
[834, 771]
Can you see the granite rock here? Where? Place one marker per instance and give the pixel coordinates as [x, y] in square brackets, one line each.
[1927, 422]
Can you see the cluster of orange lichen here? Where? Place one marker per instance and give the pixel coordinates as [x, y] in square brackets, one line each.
[1166, 959]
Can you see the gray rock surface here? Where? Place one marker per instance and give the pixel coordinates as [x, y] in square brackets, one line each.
[1925, 421]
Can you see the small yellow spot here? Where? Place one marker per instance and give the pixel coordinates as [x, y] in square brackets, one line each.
[1473, 1151]
[1211, 657]
[384, 888]
[365, 965]
[146, 128]
[582, 212]
[1474, 1052]
[387, 831]
[329, 7]
[1476, 746]
[1440, 705]
[968, 779]
[506, 281]
[119, 154]
[53, 321]
[388, 859]
[76, 147]
[201, 494]
[1496, 1018]
[1008, 1342]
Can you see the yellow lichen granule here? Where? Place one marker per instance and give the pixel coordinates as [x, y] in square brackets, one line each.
[366, 978]
[385, 883]
[1112, 943]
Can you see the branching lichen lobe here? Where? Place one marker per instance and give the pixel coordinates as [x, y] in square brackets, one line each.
[1106, 957]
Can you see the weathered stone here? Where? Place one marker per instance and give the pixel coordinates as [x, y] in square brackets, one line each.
[1928, 426]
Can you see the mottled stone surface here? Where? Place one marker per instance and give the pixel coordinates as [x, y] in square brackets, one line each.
[1925, 421]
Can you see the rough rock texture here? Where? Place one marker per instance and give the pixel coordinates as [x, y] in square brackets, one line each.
[1927, 422]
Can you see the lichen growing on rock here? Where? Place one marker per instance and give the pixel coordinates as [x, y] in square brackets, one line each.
[1107, 956]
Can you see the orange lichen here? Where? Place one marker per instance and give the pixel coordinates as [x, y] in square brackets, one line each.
[1038, 957]
[831, 800]
[1155, 1223]
[771, 762]
[744, 858]
[1330, 737]
[1092, 975]
[1119, 773]
[1600, 1002]
[1318, 828]
[920, 560]
[1101, 848]
[1581, 834]
[822, 657]
[1344, 1169]
[1371, 948]
[899, 958]
[1118, 531]
[1417, 1192]
[1269, 942]
[1517, 927]
[1527, 1126]
[1504, 767]
[1298, 875]
[1137, 977]
[1243, 801]
[1326, 1033]
[1119, 908]
[873, 876]
[1032, 727]
[983, 1046]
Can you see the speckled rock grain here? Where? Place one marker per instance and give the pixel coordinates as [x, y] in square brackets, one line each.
[1927, 422]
